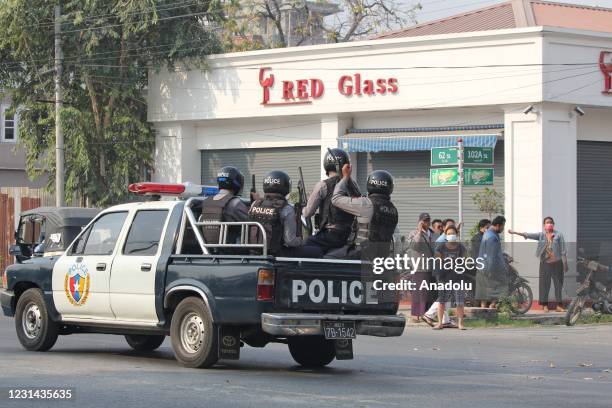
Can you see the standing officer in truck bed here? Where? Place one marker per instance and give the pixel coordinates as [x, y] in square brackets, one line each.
[376, 215]
[335, 225]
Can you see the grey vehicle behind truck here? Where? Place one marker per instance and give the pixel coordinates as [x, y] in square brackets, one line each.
[144, 271]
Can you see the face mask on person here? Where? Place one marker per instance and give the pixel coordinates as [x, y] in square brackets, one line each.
[451, 238]
[549, 227]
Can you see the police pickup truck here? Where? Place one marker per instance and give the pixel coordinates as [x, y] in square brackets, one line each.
[143, 270]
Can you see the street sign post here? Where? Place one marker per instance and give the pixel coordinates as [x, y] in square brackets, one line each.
[475, 176]
[478, 155]
[441, 177]
[461, 176]
[443, 156]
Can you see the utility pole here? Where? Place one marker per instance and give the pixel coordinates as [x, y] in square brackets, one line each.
[460, 182]
[59, 136]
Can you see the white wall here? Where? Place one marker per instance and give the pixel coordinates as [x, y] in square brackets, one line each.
[583, 82]
[177, 158]
[231, 89]
[259, 132]
[432, 117]
[596, 124]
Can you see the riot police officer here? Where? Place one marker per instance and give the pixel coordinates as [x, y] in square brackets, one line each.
[335, 225]
[278, 218]
[226, 205]
[376, 215]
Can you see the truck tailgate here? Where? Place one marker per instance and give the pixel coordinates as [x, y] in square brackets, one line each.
[331, 287]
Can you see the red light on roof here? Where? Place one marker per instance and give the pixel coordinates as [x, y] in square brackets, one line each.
[156, 188]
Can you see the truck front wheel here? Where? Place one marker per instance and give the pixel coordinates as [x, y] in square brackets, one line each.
[194, 335]
[144, 342]
[35, 330]
[312, 351]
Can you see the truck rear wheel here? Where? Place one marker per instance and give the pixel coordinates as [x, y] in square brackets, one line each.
[312, 351]
[144, 342]
[194, 335]
[35, 330]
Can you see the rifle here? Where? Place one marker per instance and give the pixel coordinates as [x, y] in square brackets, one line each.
[301, 204]
[253, 189]
[352, 186]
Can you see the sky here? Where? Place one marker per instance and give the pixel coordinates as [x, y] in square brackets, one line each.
[435, 9]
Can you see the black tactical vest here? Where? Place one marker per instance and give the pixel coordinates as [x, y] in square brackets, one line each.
[212, 210]
[381, 227]
[268, 213]
[331, 215]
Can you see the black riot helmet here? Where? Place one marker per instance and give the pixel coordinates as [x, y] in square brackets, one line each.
[277, 182]
[380, 182]
[229, 177]
[329, 162]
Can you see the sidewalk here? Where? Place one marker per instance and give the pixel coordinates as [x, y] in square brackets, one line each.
[536, 315]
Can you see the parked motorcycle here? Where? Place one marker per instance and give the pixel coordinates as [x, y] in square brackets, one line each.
[600, 293]
[519, 291]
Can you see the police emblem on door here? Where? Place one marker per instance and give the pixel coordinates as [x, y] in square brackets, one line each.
[76, 284]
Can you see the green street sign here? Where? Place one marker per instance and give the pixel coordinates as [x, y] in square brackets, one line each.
[478, 155]
[443, 177]
[478, 176]
[441, 156]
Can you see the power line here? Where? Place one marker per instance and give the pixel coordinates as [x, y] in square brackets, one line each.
[134, 22]
[261, 130]
[162, 8]
[443, 101]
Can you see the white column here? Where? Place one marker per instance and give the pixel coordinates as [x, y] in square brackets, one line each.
[560, 168]
[177, 158]
[540, 172]
[540, 179]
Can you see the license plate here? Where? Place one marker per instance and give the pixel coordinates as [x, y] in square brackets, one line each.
[339, 330]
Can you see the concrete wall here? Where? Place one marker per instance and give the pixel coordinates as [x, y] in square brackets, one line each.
[231, 88]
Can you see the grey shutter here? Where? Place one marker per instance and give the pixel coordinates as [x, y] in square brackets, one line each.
[412, 194]
[595, 199]
[261, 161]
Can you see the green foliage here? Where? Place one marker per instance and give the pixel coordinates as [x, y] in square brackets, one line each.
[489, 201]
[109, 46]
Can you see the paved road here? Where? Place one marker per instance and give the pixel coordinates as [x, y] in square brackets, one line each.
[538, 367]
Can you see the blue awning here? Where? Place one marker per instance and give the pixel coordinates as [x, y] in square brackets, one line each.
[412, 143]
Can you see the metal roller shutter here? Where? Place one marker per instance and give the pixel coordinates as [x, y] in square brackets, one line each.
[594, 198]
[261, 161]
[412, 194]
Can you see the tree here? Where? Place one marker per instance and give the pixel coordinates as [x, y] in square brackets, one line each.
[109, 46]
[489, 201]
[297, 22]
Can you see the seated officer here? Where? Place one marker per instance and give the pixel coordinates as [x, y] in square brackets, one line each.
[225, 206]
[278, 218]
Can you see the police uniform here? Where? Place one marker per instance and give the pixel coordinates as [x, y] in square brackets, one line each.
[225, 207]
[377, 218]
[278, 218]
[335, 225]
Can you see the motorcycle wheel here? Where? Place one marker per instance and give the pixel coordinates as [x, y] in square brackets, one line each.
[574, 311]
[521, 298]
